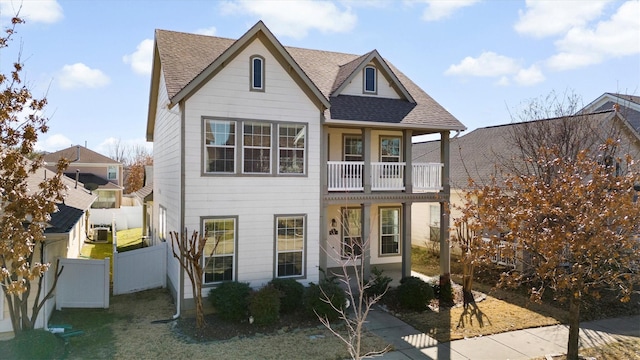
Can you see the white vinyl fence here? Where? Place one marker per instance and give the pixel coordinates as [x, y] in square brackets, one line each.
[139, 269]
[127, 217]
[83, 284]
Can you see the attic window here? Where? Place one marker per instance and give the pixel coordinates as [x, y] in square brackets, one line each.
[257, 73]
[370, 77]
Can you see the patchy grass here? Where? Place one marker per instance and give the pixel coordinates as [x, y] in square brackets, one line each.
[33, 344]
[627, 348]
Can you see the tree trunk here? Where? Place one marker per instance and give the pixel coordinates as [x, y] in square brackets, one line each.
[467, 284]
[574, 327]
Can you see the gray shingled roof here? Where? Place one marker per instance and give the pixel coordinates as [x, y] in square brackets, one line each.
[80, 154]
[475, 155]
[184, 56]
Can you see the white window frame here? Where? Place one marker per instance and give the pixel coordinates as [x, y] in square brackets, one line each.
[397, 235]
[112, 172]
[210, 143]
[282, 247]
[256, 146]
[365, 89]
[284, 145]
[252, 79]
[209, 247]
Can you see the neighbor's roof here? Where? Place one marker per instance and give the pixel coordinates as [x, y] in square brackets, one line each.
[78, 154]
[184, 59]
[628, 107]
[477, 154]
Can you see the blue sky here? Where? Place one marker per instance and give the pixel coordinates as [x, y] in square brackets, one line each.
[481, 60]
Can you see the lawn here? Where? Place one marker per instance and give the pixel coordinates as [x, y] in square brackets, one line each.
[127, 240]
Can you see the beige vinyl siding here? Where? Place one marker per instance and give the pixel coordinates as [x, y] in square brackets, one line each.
[254, 200]
[356, 87]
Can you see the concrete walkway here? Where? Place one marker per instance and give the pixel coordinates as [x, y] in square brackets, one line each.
[409, 343]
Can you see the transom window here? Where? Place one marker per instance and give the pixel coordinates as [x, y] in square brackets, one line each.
[257, 73]
[370, 75]
[290, 240]
[257, 147]
[291, 148]
[390, 149]
[351, 232]
[389, 231]
[219, 250]
[220, 146]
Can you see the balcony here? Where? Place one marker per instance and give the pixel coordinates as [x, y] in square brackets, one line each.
[348, 176]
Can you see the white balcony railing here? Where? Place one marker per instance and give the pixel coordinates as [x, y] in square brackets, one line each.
[347, 176]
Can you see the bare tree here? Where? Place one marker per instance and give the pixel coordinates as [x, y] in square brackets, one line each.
[24, 212]
[119, 151]
[360, 299]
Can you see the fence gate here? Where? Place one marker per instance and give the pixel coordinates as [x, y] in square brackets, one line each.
[83, 284]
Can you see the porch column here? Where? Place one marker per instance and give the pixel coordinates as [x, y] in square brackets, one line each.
[406, 239]
[366, 156]
[408, 168]
[366, 237]
[445, 256]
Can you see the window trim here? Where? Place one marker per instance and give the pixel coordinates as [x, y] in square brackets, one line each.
[276, 252]
[304, 149]
[375, 80]
[109, 172]
[204, 145]
[234, 271]
[380, 234]
[343, 228]
[244, 147]
[344, 146]
[252, 67]
[390, 137]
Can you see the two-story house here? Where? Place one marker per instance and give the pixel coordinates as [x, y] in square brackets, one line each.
[285, 156]
[99, 173]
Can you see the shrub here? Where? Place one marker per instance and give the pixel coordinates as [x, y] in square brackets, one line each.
[379, 284]
[231, 300]
[414, 294]
[292, 293]
[264, 305]
[314, 299]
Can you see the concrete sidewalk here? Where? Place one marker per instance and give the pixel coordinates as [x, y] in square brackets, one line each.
[409, 343]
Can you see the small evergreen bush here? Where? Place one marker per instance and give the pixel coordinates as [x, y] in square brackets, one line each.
[231, 300]
[414, 294]
[264, 305]
[292, 293]
[314, 299]
[379, 284]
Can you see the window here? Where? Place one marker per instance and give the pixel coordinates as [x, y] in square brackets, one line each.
[370, 75]
[389, 149]
[257, 147]
[162, 224]
[352, 148]
[257, 73]
[290, 240]
[112, 172]
[351, 232]
[106, 200]
[220, 146]
[219, 250]
[390, 231]
[291, 148]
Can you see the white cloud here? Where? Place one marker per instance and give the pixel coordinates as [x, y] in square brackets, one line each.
[141, 59]
[616, 37]
[531, 76]
[45, 11]
[53, 143]
[296, 18]
[488, 64]
[440, 9]
[211, 31]
[547, 18]
[80, 75]
[106, 146]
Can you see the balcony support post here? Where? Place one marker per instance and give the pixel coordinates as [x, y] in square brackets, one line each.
[408, 168]
[366, 236]
[406, 239]
[445, 256]
[366, 155]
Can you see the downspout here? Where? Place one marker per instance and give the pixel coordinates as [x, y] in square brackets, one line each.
[180, 292]
[45, 319]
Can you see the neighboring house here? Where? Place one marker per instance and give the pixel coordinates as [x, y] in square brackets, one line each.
[482, 153]
[65, 234]
[628, 107]
[144, 196]
[101, 174]
[286, 156]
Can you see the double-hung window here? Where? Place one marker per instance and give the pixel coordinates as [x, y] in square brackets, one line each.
[112, 172]
[370, 80]
[390, 153]
[219, 250]
[291, 148]
[220, 146]
[256, 147]
[389, 231]
[290, 242]
[351, 232]
[257, 73]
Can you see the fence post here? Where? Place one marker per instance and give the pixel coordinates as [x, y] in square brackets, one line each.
[106, 282]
